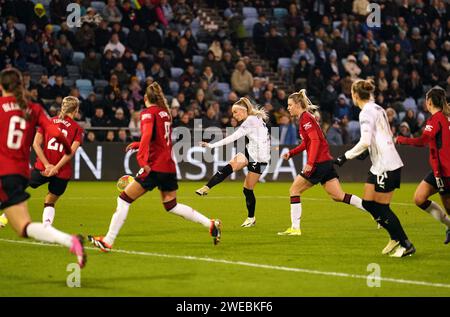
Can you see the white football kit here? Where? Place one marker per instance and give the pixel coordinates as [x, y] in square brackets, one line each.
[256, 131]
[376, 135]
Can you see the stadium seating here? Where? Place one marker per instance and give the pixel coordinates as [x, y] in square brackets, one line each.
[85, 87]
[197, 60]
[98, 5]
[248, 25]
[249, 12]
[78, 58]
[174, 87]
[176, 72]
[22, 28]
[279, 13]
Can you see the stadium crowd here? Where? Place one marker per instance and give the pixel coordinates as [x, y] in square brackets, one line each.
[323, 46]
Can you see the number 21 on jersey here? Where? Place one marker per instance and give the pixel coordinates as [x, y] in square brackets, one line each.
[55, 146]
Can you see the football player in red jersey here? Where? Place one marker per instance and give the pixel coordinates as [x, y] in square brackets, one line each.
[19, 121]
[53, 166]
[319, 167]
[437, 136]
[157, 170]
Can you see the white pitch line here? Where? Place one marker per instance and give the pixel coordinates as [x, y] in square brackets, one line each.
[248, 264]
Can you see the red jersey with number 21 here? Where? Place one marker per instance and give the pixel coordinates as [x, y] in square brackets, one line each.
[155, 147]
[54, 151]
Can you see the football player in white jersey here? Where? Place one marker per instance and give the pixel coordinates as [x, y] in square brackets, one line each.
[256, 157]
[384, 175]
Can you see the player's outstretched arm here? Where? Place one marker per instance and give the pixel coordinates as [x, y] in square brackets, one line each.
[423, 140]
[239, 133]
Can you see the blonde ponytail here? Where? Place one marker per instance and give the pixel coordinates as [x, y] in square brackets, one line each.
[301, 98]
[155, 95]
[251, 109]
[69, 104]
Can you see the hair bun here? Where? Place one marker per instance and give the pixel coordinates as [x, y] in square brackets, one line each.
[369, 85]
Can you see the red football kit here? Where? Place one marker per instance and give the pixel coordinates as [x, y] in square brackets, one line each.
[313, 140]
[437, 135]
[155, 147]
[17, 134]
[53, 151]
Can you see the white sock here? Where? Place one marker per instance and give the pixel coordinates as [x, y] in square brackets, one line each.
[48, 215]
[355, 201]
[189, 213]
[296, 214]
[117, 220]
[47, 233]
[438, 213]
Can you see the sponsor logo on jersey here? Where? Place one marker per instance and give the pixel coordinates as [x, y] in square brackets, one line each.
[428, 128]
[307, 125]
[146, 116]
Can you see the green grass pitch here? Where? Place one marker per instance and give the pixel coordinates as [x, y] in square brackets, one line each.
[164, 255]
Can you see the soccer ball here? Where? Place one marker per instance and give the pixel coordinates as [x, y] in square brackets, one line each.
[3, 221]
[123, 182]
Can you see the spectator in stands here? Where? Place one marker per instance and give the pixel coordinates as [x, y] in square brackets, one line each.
[119, 119]
[183, 54]
[134, 125]
[12, 32]
[91, 67]
[211, 118]
[99, 120]
[288, 131]
[294, 19]
[30, 49]
[90, 137]
[241, 79]
[85, 37]
[113, 87]
[260, 33]
[192, 42]
[89, 105]
[215, 65]
[115, 46]
[92, 17]
[315, 83]
[137, 39]
[161, 77]
[411, 120]
[110, 136]
[108, 62]
[343, 108]
[334, 133]
[276, 46]
[65, 49]
[167, 10]
[40, 16]
[182, 12]
[44, 89]
[404, 130]
[122, 136]
[59, 88]
[121, 74]
[58, 10]
[163, 60]
[352, 68]
[102, 36]
[140, 72]
[303, 51]
[111, 12]
[154, 38]
[128, 14]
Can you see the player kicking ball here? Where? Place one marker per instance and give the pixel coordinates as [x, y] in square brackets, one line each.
[319, 166]
[157, 170]
[256, 157]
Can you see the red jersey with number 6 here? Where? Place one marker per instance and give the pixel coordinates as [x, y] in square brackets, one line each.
[54, 151]
[17, 134]
[155, 147]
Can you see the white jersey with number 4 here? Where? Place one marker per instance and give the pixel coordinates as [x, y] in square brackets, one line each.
[256, 131]
[376, 134]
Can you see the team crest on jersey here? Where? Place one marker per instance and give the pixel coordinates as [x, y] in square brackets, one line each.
[307, 125]
[428, 128]
[163, 114]
[146, 116]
